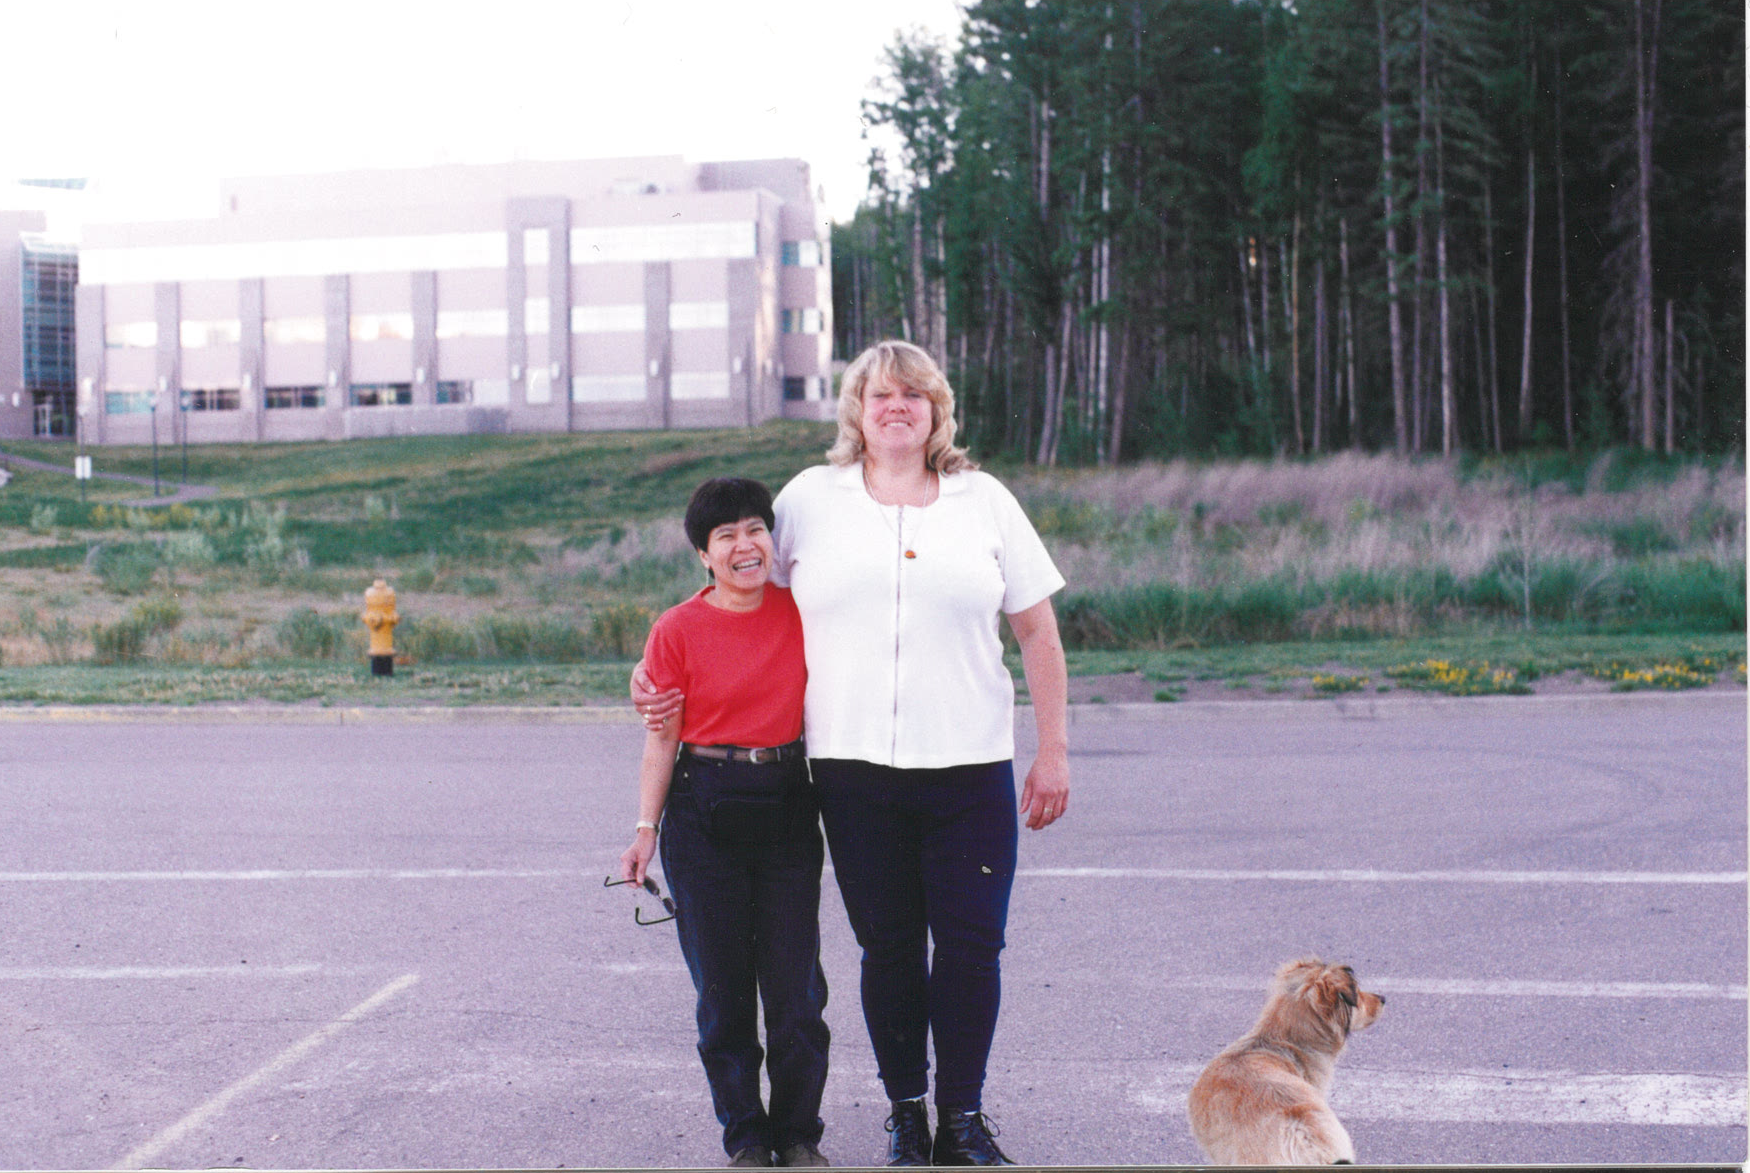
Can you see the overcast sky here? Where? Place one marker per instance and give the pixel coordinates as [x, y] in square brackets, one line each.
[158, 97]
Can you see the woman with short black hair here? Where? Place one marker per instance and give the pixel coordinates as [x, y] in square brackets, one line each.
[741, 848]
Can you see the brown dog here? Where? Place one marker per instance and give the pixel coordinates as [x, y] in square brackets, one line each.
[1262, 1100]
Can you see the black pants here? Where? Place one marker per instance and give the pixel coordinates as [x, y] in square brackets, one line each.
[749, 925]
[922, 856]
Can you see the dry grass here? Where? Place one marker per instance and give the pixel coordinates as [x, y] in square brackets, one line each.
[1200, 525]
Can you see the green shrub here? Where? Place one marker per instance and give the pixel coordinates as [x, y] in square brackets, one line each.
[1693, 594]
[516, 637]
[126, 568]
[436, 640]
[122, 642]
[560, 643]
[311, 636]
[478, 586]
[506, 637]
[620, 630]
[157, 614]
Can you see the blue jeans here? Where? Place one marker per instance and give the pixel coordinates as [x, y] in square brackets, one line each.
[925, 856]
[749, 925]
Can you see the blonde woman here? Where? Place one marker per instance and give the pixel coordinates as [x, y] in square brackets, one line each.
[900, 555]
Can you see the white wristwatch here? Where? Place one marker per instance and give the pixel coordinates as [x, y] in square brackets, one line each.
[641, 824]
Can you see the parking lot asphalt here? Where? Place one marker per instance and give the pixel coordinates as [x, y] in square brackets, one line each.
[363, 939]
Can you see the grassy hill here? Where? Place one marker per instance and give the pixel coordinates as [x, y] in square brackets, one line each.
[529, 567]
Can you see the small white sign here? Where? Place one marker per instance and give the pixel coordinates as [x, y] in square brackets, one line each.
[82, 468]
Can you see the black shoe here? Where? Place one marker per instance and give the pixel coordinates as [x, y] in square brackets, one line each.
[909, 1142]
[754, 1156]
[966, 1138]
[802, 1155]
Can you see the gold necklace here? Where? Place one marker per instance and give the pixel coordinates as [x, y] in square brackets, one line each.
[932, 491]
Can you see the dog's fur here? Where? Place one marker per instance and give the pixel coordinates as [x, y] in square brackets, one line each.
[1262, 1100]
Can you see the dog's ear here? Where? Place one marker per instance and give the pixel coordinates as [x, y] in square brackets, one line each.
[1331, 989]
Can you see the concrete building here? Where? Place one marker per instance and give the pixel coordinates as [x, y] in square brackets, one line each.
[520, 297]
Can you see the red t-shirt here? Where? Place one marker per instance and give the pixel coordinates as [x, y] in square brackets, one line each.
[742, 671]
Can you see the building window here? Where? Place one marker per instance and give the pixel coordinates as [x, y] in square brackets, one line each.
[380, 394]
[608, 389]
[607, 319]
[537, 315]
[800, 321]
[126, 264]
[473, 323]
[50, 272]
[492, 391]
[127, 402]
[801, 253]
[455, 391]
[280, 397]
[795, 387]
[662, 242]
[210, 399]
[198, 335]
[291, 331]
[130, 335]
[535, 246]
[699, 385]
[382, 327]
[698, 315]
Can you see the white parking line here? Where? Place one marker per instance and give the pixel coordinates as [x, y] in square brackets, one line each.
[146, 1153]
[1400, 986]
[1371, 876]
[1214, 875]
[282, 874]
[1509, 1096]
[98, 973]
[1499, 988]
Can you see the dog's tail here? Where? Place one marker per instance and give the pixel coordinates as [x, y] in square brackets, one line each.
[1314, 1136]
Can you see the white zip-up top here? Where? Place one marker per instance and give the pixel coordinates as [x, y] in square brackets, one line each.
[905, 664]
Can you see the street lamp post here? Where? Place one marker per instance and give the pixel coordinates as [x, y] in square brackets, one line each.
[182, 410]
[79, 447]
[154, 444]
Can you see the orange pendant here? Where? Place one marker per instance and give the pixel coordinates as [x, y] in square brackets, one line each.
[911, 553]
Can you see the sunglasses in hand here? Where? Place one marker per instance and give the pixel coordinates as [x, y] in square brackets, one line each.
[649, 886]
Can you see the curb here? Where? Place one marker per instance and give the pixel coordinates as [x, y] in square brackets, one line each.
[1350, 708]
[1333, 709]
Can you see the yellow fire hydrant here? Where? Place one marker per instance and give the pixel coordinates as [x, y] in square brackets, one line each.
[380, 617]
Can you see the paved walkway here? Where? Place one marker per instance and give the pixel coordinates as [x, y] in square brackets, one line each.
[182, 493]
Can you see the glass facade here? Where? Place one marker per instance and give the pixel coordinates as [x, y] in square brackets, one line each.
[380, 394]
[50, 273]
[211, 399]
[282, 397]
[127, 402]
[801, 253]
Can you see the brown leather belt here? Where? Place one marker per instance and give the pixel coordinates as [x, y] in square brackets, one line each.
[736, 753]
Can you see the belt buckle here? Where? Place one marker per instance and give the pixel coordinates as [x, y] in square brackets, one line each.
[753, 755]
